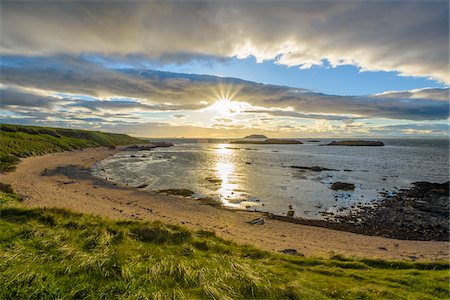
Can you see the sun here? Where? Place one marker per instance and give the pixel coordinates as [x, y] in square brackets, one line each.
[223, 106]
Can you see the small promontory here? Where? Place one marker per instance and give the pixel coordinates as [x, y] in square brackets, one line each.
[355, 143]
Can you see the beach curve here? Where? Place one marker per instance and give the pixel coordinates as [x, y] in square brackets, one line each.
[93, 196]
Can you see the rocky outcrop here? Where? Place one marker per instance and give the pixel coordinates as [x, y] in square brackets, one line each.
[355, 143]
[420, 213]
[313, 168]
[148, 146]
[342, 186]
[177, 192]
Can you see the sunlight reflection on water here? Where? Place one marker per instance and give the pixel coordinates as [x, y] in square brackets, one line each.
[224, 168]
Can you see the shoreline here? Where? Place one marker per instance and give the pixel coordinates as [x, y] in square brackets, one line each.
[88, 194]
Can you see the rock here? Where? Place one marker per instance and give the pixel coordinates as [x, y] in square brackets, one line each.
[342, 186]
[214, 180]
[177, 192]
[313, 141]
[355, 143]
[313, 168]
[290, 213]
[144, 185]
[139, 148]
[291, 251]
[257, 221]
[148, 147]
[383, 248]
[161, 144]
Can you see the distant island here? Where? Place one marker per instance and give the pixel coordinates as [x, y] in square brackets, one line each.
[267, 141]
[255, 136]
[355, 143]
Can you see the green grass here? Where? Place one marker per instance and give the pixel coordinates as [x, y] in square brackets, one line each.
[18, 141]
[58, 254]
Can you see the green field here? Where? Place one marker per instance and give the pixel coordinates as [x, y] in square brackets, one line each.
[58, 254]
[18, 141]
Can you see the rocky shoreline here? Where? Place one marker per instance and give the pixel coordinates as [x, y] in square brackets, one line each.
[417, 213]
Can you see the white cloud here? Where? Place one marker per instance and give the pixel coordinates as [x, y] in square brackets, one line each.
[411, 37]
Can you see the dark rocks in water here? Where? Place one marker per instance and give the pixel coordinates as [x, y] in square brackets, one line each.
[162, 144]
[343, 186]
[313, 168]
[141, 186]
[139, 148]
[214, 180]
[148, 146]
[257, 221]
[248, 163]
[313, 141]
[255, 136]
[290, 213]
[177, 192]
[133, 155]
[355, 143]
[267, 141]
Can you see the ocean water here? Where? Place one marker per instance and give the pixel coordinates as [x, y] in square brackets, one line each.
[260, 177]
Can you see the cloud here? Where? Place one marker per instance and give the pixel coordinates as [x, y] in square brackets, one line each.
[10, 97]
[413, 129]
[150, 90]
[293, 114]
[411, 37]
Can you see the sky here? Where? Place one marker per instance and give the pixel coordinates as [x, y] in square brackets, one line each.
[228, 69]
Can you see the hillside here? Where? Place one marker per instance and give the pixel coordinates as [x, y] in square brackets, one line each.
[17, 141]
[57, 254]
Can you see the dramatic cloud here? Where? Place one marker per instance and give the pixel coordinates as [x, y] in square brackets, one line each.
[149, 90]
[411, 37]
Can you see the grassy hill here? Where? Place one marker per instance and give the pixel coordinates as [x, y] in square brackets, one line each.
[58, 254]
[18, 141]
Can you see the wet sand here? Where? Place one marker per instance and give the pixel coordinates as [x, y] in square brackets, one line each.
[89, 195]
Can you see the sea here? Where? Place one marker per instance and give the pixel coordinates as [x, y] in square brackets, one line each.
[261, 177]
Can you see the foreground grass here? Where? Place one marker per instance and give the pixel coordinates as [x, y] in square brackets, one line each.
[18, 141]
[55, 253]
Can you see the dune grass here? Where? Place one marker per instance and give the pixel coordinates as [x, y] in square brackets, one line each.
[58, 254]
[17, 141]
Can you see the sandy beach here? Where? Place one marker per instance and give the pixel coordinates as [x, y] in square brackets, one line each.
[92, 196]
